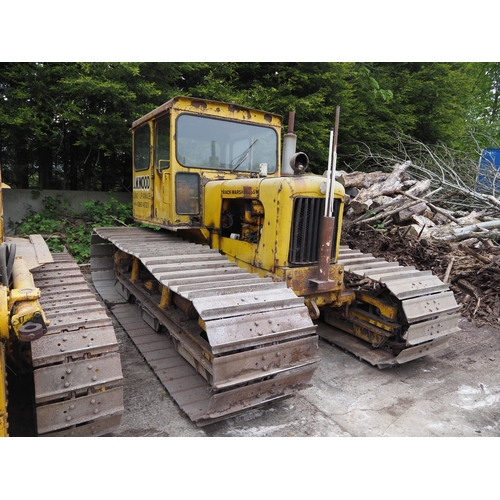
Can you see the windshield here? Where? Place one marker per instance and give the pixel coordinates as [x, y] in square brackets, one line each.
[225, 145]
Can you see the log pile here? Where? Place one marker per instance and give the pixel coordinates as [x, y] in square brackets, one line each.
[399, 218]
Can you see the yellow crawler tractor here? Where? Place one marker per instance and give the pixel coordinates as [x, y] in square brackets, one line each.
[242, 265]
[53, 328]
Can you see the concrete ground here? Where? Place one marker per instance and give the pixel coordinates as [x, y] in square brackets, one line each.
[455, 393]
[452, 394]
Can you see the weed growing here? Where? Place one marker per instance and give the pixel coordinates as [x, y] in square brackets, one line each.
[64, 229]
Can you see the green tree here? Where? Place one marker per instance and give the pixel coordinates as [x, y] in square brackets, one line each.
[483, 116]
[67, 124]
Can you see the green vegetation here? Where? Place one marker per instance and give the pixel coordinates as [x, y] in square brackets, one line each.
[66, 125]
[65, 229]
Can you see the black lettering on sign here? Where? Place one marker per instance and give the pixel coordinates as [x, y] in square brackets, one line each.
[142, 183]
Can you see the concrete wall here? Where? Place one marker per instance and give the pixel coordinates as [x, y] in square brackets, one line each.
[17, 202]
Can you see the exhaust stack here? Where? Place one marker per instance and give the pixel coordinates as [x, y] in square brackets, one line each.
[289, 147]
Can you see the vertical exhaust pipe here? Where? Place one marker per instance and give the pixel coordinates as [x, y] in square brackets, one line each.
[289, 147]
[328, 221]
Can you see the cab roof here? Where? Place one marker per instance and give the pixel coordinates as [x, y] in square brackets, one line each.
[210, 107]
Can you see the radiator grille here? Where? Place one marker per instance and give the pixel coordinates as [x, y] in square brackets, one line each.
[307, 215]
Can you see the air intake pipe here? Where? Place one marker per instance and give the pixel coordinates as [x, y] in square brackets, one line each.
[292, 163]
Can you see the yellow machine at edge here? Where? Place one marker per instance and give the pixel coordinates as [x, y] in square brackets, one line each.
[47, 316]
[21, 317]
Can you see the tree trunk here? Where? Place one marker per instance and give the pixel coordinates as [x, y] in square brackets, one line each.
[360, 179]
[407, 213]
[21, 173]
[393, 183]
[73, 161]
[45, 168]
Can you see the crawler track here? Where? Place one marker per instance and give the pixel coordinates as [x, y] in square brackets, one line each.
[244, 342]
[77, 370]
[427, 304]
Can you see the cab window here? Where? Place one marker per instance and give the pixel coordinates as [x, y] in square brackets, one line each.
[142, 150]
[204, 142]
[162, 144]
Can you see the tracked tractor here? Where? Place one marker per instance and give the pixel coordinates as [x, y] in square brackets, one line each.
[55, 331]
[241, 268]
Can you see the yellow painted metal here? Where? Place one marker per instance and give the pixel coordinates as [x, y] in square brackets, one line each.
[4, 336]
[269, 256]
[276, 196]
[135, 270]
[166, 297]
[261, 205]
[154, 192]
[360, 324]
[386, 310]
[23, 298]
[4, 426]
[1, 214]
[4, 314]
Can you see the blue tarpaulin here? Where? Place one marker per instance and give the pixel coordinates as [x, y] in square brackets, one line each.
[488, 178]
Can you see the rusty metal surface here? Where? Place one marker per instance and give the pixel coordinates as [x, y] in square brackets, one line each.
[76, 411]
[428, 305]
[80, 335]
[430, 330]
[60, 381]
[420, 350]
[241, 367]
[423, 297]
[240, 332]
[247, 319]
[210, 308]
[360, 349]
[98, 427]
[191, 392]
[408, 288]
[57, 347]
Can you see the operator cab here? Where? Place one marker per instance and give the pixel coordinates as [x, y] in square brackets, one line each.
[187, 142]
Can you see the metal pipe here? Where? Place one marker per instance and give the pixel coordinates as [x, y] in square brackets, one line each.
[289, 147]
[325, 250]
[328, 221]
[334, 166]
[329, 176]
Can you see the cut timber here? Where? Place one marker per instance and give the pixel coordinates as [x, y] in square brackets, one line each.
[393, 183]
[406, 214]
[462, 233]
[436, 209]
[393, 206]
[360, 179]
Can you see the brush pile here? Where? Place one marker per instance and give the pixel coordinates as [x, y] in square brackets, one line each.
[393, 216]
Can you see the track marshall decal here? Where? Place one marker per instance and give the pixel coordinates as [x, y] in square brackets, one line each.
[246, 191]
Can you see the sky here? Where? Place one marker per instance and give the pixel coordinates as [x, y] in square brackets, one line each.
[385, 30]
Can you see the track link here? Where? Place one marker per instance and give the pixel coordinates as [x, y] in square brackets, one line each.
[77, 370]
[250, 341]
[428, 306]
